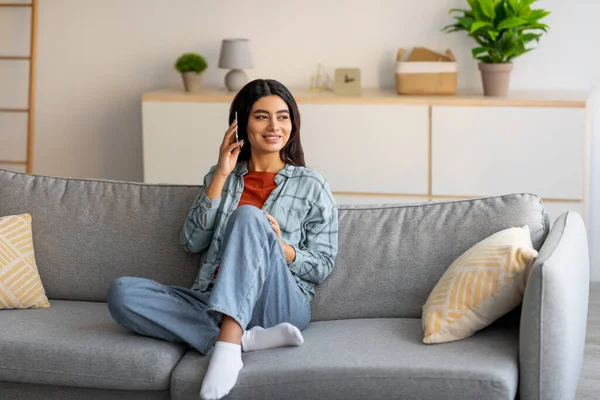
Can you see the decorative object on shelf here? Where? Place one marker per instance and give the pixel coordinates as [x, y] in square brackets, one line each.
[235, 55]
[346, 82]
[321, 81]
[426, 72]
[502, 30]
[191, 66]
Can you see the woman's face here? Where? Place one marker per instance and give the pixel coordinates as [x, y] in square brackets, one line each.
[269, 125]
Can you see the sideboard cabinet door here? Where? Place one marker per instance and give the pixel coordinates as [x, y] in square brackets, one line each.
[485, 151]
[181, 140]
[368, 148]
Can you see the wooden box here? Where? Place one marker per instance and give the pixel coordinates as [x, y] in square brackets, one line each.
[426, 72]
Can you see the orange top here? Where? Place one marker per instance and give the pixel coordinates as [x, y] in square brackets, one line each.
[257, 187]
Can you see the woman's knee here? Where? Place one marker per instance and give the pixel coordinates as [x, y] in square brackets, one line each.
[118, 288]
[119, 293]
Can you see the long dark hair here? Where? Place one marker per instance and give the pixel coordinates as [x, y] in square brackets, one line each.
[292, 153]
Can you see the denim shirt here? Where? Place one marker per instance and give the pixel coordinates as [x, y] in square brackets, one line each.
[301, 203]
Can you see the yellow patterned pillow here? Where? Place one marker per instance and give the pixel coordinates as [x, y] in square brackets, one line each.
[480, 286]
[20, 283]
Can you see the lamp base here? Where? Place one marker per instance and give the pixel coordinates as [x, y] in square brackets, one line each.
[235, 80]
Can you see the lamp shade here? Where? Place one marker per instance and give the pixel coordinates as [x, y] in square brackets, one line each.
[235, 54]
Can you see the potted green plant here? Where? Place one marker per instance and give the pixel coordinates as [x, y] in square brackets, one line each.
[191, 66]
[503, 29]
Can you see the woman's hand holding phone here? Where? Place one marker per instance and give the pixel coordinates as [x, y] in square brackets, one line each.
[228, 154]
[229, 151]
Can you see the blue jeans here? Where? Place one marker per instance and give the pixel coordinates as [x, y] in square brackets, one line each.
[254, 286]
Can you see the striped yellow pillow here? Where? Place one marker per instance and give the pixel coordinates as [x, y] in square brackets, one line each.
[480, 286]
[20, 283]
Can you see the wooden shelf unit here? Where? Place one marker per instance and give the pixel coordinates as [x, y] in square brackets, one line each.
[437, 148]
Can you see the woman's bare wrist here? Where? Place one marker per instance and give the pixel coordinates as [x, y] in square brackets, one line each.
[288, 251]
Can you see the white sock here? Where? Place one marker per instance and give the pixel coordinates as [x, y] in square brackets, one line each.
[223, 369]
[284, 334]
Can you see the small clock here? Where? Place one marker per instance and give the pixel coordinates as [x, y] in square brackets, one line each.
[347, 82]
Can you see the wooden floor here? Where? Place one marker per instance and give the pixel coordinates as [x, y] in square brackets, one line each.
[589, 383]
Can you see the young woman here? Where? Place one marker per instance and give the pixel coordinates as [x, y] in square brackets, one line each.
[268, 228]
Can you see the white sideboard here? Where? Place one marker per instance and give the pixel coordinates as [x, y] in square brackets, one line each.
[381, 147]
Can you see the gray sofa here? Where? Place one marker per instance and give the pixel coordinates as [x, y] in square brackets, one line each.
[365, 341]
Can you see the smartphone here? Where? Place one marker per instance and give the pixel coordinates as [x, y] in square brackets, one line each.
[237, 139]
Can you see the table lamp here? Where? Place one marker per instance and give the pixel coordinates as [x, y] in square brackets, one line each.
[235, 55]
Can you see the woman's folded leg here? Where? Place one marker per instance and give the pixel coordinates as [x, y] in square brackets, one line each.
[170, 313]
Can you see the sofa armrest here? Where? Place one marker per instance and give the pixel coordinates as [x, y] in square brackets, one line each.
[554, 314]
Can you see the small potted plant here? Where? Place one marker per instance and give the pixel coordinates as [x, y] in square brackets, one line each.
[503, 29]
[191, 66]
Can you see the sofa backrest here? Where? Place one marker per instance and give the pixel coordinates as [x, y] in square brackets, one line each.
[87, 233]
[391, 256]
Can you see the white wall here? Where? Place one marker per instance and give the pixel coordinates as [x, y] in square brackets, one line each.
[97, 58]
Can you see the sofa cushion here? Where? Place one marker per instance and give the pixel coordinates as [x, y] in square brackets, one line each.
[78, 344]
[103, 230]
[392, 256]
[20, 283]
[28, 391]
[480, 286]
[371, 359]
